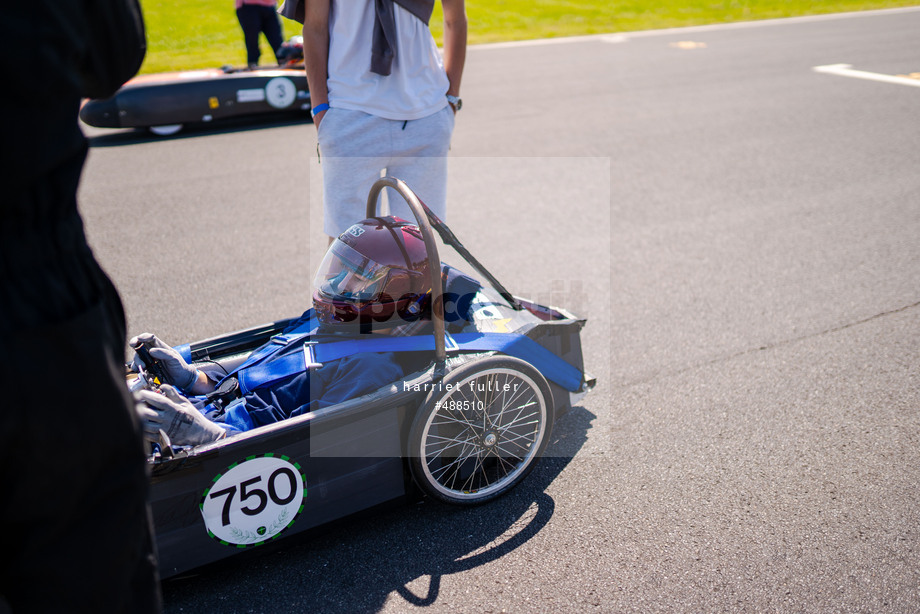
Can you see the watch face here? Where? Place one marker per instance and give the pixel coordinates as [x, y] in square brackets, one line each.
[456, 102]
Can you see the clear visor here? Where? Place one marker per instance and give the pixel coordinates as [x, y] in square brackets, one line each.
[348, 275]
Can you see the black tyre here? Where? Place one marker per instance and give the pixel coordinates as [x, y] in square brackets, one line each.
[165, 129]
[481, 430]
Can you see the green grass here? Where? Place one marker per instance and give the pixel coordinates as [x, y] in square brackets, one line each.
[205, 33]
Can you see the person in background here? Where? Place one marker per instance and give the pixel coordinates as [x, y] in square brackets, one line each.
[77, 535]
[259, 16]
[383, 98]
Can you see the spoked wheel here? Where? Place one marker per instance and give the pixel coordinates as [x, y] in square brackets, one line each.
[481, 431]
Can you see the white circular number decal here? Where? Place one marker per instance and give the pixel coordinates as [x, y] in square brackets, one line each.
[280, 92]
[254, 501]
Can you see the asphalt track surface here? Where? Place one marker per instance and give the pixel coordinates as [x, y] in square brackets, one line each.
[741, 232]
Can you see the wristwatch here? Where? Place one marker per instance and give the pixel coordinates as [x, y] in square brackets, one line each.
[455, 102]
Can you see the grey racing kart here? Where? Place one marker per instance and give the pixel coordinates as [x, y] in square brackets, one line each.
[465, 428]
[165, 103]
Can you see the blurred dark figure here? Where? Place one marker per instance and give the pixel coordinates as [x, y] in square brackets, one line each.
[259, 16]
[75, 530]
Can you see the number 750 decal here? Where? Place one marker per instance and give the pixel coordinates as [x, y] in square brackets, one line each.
[254, 501]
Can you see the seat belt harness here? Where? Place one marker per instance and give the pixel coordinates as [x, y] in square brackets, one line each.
[261, 372]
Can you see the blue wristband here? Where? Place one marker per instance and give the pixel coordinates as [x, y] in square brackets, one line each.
[319, 109]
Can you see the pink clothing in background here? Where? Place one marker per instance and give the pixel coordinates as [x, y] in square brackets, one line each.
[240, 3]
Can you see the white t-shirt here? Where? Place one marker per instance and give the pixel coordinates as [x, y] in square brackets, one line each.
[417, 84]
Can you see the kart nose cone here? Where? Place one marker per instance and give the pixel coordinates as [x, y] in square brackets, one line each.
[101, 113]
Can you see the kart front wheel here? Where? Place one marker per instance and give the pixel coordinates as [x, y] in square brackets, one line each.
[481, 430]
[166, 129]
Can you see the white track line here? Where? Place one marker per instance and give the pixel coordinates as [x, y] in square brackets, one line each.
[621, 37]
[845, 70]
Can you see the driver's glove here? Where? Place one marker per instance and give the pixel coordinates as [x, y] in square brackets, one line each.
[176, 416]
[180, 372]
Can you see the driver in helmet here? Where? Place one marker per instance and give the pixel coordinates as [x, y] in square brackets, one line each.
[373, 280]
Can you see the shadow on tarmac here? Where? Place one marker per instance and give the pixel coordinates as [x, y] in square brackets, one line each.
[119, 137]
[356, 565]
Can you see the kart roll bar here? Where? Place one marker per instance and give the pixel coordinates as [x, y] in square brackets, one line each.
[451, 239]
[431, 247]
[426, 221]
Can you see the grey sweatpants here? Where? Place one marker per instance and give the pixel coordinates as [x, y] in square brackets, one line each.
[356, 147]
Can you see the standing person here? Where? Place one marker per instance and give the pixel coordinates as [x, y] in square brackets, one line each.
[76, 535]
[259, 16]
[383, 98]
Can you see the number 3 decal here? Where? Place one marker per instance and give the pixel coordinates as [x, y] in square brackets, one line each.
[254, 501]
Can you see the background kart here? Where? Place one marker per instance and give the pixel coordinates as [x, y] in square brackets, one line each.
[164, 103]
[465, 429]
